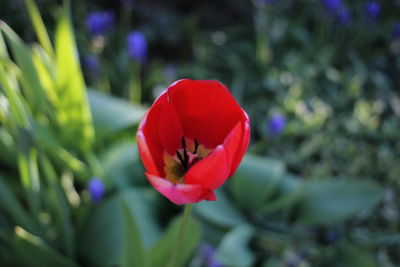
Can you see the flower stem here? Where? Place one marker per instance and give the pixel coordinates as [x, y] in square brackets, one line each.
[182, 228]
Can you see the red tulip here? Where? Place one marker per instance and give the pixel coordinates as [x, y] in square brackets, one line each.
[192, 140]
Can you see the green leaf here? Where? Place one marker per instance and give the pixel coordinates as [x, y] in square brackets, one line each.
[73, 112]
[103, 236]
[333, 200]
[33, 251]
[221, 212]
[18, 112]
[234, 248]
[111, 114]
[9, 203]
[142, 203]
[351, 255]
[59, 204]
[161, 253]
[132, 250]
[118, 161]
[29, 173]
[38, 24]
[256, 180]
[48, 140]
[46, 69]
[29, 78]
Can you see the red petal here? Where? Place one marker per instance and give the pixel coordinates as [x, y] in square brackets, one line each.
[206, 109]
[150, 147]
[180, 193]
[243, 144]
[210, 172]
[145, 154]
[233, 143]
[170, 129]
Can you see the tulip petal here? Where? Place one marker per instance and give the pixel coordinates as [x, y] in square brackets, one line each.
[210, 172]
[233, 143]
[243, 145]
[149, 141]
[206, 109]
[145, 154]
[180, 193]
[170, 129]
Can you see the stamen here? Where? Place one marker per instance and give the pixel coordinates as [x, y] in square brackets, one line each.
[183, 143]
[185, 155]
[196, 146]
[181, 159]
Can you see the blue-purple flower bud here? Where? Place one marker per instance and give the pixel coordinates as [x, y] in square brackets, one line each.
[99, 23]
[137, 46]
[96, 189]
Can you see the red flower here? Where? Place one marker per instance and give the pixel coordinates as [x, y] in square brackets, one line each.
[192, 139]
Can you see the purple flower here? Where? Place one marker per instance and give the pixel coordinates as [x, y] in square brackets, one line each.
[332, 6]
[99, 23]
[96, 189]
[207, 253]
[372, 9]
[396, 31]
[137, 46]
[343, 16]
[92, 63]
[276, 124]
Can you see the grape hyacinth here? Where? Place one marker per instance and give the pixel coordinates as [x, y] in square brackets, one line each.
[343, 16]
[92, 63]
[372, 10]
[207, 253]
[332, 6]
[100, 23]
[137, 46]
[396, 31]
[276, 124]
[96, 189]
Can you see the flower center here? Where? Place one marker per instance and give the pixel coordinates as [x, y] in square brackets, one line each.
[189, 154]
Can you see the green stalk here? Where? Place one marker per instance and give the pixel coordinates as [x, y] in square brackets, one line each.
[135, 86]
[184, 222]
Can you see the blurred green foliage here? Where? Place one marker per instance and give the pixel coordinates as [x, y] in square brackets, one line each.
[323, 192]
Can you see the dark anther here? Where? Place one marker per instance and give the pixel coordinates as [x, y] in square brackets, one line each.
[185, 155]
[196, 146]
[183, 143]
[181, 160]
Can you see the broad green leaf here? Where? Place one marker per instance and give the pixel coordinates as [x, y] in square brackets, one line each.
[102, 238]
[111, 114]
[46, 70]
[29, 78]
[73, 112]
[38, 24]
[160, 255]
[142, 203]
[256, 180]
[49, 141]
[29, 173]
[119, 161]
[58, 202]
[221, 212]
[234, 248]
[19, 113]
[132, 250]
[350, 255]
[34, 252]
[10, 203]
[7, 146]
[288, 192]
[333, 200]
